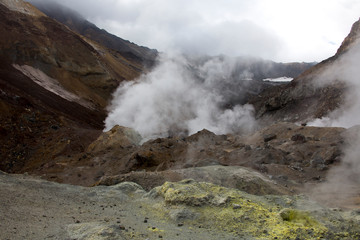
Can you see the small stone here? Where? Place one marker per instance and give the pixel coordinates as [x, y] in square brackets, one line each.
[160, 236]
[180, 224]
[145, 221]
[77, 221]
[236, 206]
[298, 138]
[55, 127]
[122, 227]
[269, 137]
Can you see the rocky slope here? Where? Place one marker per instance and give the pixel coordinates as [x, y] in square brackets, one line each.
[285, 152]
[305, 98]
[80, 25]
[55, 85]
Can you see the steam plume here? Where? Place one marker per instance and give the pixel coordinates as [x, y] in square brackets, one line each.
[343, 181]
[345, 70]
[178, 97]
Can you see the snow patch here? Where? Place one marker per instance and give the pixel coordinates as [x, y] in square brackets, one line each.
[280, 79]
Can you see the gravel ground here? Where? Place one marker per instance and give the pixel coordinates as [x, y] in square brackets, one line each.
[32, 208]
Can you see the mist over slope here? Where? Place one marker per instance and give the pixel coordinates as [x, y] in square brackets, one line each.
[172, 99]
[345, 70]
[343, 181]
[183, 95]
[317, 92]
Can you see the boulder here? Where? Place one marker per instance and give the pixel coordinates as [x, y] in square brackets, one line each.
[117, 137]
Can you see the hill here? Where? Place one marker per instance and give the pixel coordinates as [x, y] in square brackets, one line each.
[78, 24]
[315, 93]
[55, 86]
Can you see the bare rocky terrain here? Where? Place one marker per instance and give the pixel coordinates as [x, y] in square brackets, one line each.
[66, 178]
[36, 209]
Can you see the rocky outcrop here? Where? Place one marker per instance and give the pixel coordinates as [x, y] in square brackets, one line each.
[241, 178]
[286, 154]
[117, 137]
[351, 39]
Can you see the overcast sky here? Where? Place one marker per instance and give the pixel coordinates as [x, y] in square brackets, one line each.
[280, 30]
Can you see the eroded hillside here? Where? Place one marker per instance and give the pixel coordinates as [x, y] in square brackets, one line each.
[55, 85]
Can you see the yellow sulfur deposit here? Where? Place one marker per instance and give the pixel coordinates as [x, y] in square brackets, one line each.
[240, 213]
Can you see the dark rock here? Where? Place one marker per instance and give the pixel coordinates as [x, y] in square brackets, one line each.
[298, 138]
[317, 161]
[55, 127]
[180, 215]
[269, 137]
[247, 147]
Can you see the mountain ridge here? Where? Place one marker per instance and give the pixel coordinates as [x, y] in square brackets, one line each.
[80, 25]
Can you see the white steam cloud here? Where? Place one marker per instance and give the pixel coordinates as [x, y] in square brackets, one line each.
[177, 97]
[346, 71]
[342, 184]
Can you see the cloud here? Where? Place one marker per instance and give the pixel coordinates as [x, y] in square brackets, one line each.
[172, 26]
[178, 98]
[299, 30]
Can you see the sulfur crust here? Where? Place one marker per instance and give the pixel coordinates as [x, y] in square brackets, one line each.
[254, 218]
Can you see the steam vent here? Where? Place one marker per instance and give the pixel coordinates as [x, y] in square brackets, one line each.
[217, 134]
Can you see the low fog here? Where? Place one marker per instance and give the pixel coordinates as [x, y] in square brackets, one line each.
[343, 180]
[179, 98]
[345, 70]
